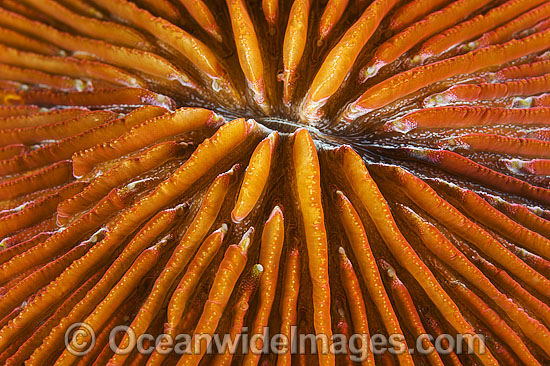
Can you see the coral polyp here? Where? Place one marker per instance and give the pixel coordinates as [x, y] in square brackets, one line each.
[374, 171]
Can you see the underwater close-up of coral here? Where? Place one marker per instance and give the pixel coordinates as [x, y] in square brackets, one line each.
[369, 176]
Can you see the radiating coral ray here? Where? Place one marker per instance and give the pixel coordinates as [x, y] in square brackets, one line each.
[270, 170]
[294, 45]
[255, 178]
[406, 306]
[506, 31]
[331, 15]
[406, 39]
[474, 27]
[339, 61]
[76, 68]
[109, 31]
[358, 239]
[308, 194]
[203, 16]
[250, 57]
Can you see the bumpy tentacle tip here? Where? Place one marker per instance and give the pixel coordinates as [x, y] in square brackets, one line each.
[339, 197]
[259, 96]
[302, 135]
[457, 283]
[368, 72]
[186, 81]
[276, 212]
[401, 125]
[236, 218]
[311, 110]
[80, 85]
[322, 35]
[164, 101]
[223, 84]
[215, 120]
[343, 256]
[223, 229]
[419, 58]
[246, 240]
[162, 243]
[98, 235]
[387, 268]
[522, 102]
[470, 46]
[217, 85]
[181, 208]
[231, 173]
[517, 166]
[215, 32]
[437, 100]
[273, 138]
[251, 126]
[453, 143]
[257, 270]
[288, 77]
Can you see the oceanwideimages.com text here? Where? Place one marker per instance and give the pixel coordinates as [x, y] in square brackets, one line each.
[80, 339]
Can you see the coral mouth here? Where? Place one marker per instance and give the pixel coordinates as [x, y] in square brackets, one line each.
[282, 125]
[371, 168]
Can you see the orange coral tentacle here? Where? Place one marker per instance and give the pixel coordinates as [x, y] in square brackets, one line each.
[41, 118]
[152, 229]
[144, 134]
[270, 254]
[455, 259]
[341, 58]
[356, 303]
[357, 237]
[255, 178]
[506, 31]
[55, 130]
[122, 172]
[141, 266]
[412, 80]
[246, 289]
[51, 176]
[289, 300]
[250, 57]
[378, 209]
[203, 16]
[308, 194]
[109, 31]
[413, 11]
[294, 45]
[69, 66]
[465, 116]
[193, 236]
[434, 23]
[406, 306]
[427, 199]
[473, 27]
[228, 273]
[331, 15]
